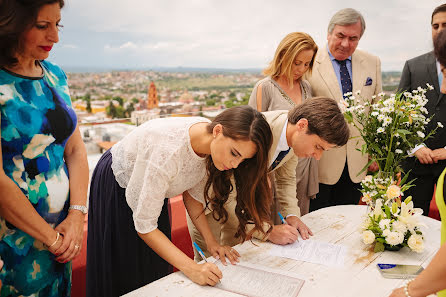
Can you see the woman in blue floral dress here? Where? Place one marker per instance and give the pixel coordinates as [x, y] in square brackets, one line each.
[44, 171]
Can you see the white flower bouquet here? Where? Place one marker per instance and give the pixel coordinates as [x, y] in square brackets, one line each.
[392, 223]
[391, 126]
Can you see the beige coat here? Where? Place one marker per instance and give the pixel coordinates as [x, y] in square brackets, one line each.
[285, 173]
[324, 83]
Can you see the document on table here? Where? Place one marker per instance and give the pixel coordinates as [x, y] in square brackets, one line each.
[312, 251]
[255, 281]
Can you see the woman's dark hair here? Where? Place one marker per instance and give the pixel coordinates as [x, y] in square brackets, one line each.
[16, 17]
[254, 197]
[440, 47]
[325, 119]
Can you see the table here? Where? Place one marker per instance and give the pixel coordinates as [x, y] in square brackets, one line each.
[336, 224]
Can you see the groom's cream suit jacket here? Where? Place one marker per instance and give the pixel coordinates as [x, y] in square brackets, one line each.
[366, 77]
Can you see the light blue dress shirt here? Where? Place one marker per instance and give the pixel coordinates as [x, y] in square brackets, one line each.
[337, 68]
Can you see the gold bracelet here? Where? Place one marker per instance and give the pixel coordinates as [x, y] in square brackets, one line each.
[57, 238]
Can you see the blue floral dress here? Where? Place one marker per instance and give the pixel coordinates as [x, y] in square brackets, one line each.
[36, 122]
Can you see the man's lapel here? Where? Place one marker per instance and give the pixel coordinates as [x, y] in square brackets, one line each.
[276, 120]
[431, 69]
[328, 75]
[358, 72]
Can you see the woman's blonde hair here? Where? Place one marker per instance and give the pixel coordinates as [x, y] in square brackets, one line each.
[287, 51]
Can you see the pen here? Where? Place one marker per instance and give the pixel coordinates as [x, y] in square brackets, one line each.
[200, 252]
[282, 219]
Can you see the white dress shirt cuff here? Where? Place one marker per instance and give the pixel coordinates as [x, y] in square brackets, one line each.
[415, 149]
[291, 215]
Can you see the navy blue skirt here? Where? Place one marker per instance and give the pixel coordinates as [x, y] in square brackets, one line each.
[118, 260]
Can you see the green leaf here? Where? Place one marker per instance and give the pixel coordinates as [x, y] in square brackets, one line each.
[365, 167]
[379, 247]
[403, 131]
[348, 117]
[403, 180]
[387, 211]
[394, 207]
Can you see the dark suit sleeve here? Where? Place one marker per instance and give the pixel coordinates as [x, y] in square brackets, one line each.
[405, 81]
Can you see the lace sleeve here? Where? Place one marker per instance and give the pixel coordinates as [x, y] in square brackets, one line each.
[197, 192]
[146, 190]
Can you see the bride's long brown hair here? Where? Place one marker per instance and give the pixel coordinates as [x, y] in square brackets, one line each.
[254, 196]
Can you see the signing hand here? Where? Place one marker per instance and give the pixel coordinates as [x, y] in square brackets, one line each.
[222, 252]
[283, 234]
[297, 223]
[439, 154]
[204, 274]
[72, 229]
[424, 155]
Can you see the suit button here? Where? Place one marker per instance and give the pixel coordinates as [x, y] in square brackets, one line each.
[437, 109]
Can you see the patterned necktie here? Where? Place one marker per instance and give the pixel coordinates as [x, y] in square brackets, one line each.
[279, 158]
[346, 82]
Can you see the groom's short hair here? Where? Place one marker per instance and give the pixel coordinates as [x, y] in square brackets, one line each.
[325, 119]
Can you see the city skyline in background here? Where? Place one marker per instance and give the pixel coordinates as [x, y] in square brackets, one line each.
[137, 34]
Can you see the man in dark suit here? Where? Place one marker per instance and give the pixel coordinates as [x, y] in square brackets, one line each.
[430, 157]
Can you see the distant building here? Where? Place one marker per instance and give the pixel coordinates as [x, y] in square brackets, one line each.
[139, 117]
[186, 98]
[96, 106]
[99, 138]
[152, 97]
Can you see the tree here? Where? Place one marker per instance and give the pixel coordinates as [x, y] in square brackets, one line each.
[111, 110]
[120, 100]
[129, 110]
[89, 105]
[120, 112]
[229, 104]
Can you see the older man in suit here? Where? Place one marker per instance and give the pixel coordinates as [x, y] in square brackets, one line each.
[340, 68]
[309, 129]
[430, 158]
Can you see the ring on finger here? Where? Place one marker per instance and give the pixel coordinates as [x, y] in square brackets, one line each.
[76, 246]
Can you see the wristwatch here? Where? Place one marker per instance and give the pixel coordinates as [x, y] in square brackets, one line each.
[81, 208]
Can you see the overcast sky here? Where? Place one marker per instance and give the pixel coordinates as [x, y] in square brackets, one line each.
[228, 33]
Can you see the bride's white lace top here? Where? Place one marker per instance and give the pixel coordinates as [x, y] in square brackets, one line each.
[156, 161]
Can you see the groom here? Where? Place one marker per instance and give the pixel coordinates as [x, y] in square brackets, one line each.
[308, 130]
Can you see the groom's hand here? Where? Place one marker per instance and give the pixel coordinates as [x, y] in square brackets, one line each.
[297, 223]
[283, 234]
